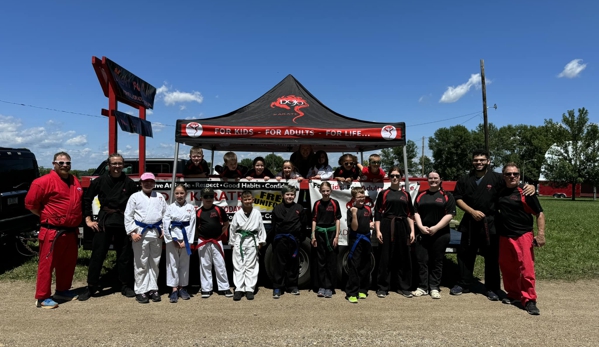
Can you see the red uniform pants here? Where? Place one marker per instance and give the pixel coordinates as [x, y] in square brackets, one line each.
[62, 259]
[516, 260]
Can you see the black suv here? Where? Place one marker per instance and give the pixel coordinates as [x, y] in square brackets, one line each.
[18, 168]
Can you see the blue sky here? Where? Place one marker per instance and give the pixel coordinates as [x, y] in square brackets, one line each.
[371, 60]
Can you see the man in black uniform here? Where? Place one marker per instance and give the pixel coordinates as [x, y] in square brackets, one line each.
[113, 190]
[476, 194]
[288, 223]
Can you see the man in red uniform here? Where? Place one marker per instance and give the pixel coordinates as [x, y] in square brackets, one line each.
[56, 198]
[516, 240]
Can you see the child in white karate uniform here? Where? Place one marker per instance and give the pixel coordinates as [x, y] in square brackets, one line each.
[247, 235]
[143, 222]
[179, 233]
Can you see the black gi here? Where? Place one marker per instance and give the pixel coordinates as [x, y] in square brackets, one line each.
[359, 263]
[430, 249]
[113, 194]
[326, 214]
[479, 235]
[288, 225]
[392, 210]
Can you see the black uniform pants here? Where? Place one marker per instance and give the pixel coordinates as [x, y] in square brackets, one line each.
[124, 255]
[326, 260]
[286, 267]
[470, 244]
[359, 267]
[430, 252]
[395, 261]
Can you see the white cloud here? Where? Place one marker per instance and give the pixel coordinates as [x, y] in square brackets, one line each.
[157, 127]
[80, 140]
[182, 107]
[572, 69]
[453, 94]
[424, 99]
[149, 112]
[174, 97]
[11, 135]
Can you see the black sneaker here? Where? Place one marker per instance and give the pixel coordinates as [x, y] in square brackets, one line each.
[154, 296]
[531, 308]
[381, 293]
[183, 294]
[276, 293]
[458, 290]
[249, 295]
[508, 301]
[492, 296]
[294, 291]
[405, 293]
[227, 293]
[237, 296]
[127, 291]
[88, 292]
[206, 295]
[142, 298]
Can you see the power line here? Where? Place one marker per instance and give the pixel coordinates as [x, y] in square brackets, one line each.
[442, 120]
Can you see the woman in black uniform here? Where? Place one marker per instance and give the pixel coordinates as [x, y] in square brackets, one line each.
[433, 210]
[395, 232]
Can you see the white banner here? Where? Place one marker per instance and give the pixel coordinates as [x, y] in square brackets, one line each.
[342, 193]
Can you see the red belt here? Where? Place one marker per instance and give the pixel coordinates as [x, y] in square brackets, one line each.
[214, 241]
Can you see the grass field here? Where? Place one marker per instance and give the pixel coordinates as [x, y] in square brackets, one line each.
[571, 252]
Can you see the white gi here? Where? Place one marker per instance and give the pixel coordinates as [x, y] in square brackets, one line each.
[146, 252]
[245, 267]
[177, 259]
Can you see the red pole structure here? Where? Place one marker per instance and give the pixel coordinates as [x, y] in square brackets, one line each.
[112, 126]
[142, 144]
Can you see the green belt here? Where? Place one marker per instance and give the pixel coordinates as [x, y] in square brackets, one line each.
[244, 234]
[326, 234]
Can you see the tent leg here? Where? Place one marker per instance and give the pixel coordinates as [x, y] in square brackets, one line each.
[175, 162]
[405, 165]
[212, 160]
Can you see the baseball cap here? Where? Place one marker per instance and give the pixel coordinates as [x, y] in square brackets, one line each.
[146, 176]
[207, 191]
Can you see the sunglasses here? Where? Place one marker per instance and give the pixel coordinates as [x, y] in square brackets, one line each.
[208, 197]
[394, 176]
[349, 163]
[62, 163]
[511, 174]
[375, 162]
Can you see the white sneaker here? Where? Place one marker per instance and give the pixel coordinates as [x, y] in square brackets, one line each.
[435, 294]
[419, 292]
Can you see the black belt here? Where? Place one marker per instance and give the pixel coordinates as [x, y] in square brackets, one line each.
[59, 232]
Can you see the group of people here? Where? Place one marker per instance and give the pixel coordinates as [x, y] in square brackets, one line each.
[498, 221]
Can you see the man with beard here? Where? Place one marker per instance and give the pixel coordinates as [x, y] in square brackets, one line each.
[113, 190]
[476, 194]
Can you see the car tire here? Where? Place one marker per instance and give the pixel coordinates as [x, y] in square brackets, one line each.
[304, 263]
[343, 265]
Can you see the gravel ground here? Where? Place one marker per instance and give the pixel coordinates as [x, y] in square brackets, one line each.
[569, 317]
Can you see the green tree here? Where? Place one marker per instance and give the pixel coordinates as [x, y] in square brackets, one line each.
[44, 170]
[247, 162]
[573, 157]
[452, 149]
[274, 163]
[391, 157]
[428, 165]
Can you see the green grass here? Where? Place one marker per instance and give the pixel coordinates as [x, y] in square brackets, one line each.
[571, 252]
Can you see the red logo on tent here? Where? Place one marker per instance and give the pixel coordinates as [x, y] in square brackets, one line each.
[289, 101]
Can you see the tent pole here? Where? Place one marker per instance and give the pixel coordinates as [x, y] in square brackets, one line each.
[361, 157]
[212, 160]
[405, 165]
[175, 162]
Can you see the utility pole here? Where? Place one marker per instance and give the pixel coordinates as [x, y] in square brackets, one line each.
[486, 122]
[422, 156]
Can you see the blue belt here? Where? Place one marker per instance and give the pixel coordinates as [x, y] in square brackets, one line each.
[181, 225]
[359, 237]
[149, 226]
[280, 236]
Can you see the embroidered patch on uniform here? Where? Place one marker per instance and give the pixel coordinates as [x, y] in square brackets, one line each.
[489, 187]
[438, 200]
[213, 214]
[296, 212]
[330, 208]
[78, 189]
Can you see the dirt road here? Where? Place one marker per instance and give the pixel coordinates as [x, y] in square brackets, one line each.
[569, 317]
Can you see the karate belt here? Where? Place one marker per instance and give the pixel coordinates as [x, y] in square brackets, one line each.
[181, 225]
[244, 234]
[280, 236]
[394, 219]
[359, 237]
[149, 226]
[59, 232]
[326, 231]
[213, 241]
[107, 212]
[474, 226]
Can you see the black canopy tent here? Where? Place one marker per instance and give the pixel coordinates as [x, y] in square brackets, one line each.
[286, 116]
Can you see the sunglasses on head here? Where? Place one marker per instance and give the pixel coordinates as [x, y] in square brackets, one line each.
[512, 174]
[208, 197]
[62, 163]
[394, 176]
